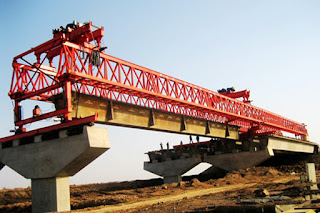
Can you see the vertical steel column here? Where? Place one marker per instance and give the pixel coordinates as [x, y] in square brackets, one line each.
[68, 98]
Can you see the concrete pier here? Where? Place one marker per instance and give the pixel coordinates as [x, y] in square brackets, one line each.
[55, 194]
[311, 172]
[312, 178]
[49, 159]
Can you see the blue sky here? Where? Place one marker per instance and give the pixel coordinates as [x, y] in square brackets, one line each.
[269, 47]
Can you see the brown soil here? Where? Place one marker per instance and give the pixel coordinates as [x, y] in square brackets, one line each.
[191, 195]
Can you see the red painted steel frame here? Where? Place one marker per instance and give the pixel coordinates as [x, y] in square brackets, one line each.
[120, 80]
[245, 94]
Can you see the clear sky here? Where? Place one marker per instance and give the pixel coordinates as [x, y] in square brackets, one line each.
[270, 47]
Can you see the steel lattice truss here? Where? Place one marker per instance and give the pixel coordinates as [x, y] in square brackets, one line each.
[69, 69]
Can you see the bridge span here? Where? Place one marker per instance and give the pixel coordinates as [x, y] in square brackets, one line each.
[225, 154]
[87, 86]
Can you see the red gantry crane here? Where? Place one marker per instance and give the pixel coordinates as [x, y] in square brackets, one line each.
[74, 61]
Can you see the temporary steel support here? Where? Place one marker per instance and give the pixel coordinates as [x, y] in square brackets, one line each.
[69, 68]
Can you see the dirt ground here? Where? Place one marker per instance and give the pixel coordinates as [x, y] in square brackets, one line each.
[194, 194]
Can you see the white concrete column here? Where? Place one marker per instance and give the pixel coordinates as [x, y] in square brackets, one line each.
[50, 194]
[311, 174]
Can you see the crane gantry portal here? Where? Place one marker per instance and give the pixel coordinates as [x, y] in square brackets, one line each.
[73, 64]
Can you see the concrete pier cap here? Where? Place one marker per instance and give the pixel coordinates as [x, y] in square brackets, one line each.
[172, 170]
[49, 159]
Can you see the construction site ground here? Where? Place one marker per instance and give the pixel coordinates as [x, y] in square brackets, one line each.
[202, 193]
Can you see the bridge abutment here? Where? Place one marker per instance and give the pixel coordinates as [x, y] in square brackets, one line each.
[50, 158]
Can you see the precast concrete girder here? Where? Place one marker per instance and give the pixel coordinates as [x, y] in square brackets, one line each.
[212, 170]
[281, 143]
[172, 170]
[236, 161]
[269, 144]
[129, 115]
